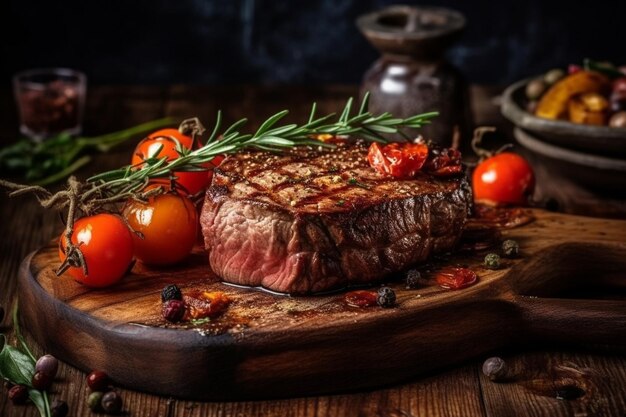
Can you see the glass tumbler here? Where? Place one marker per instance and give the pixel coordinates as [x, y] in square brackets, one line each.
[50, 101]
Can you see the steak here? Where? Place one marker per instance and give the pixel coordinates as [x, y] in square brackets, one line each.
[313, 220]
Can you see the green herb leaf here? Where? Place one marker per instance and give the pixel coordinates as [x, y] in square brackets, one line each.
[15, 365]
[199, 322]
[39, 399]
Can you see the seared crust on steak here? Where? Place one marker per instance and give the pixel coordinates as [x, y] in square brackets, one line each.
[313, 220]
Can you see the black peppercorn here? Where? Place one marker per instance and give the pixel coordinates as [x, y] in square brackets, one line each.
[111, 402]
[174, 310]
[94, 400]
[386, 297]
[413, 277]
[98, 381]
[492, 261]
[18, 394]
[59, 408]
[495, 369]
[41, 381]
[171, 292]
[510, 248]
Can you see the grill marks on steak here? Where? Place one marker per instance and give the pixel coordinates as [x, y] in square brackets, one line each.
[314, 220]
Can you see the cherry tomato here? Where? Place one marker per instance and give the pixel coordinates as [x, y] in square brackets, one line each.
[107, 246]
[400, 160]
[505, 178]
[191, 182]
[168, 223]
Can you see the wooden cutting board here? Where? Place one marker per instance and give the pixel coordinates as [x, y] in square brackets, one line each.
[268, 345]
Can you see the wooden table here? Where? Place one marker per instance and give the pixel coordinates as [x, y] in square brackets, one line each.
[462, 391]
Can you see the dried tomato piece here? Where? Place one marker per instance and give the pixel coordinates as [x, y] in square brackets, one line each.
[201, 304]
[400, 160]
[444, 162]
[360, 298]
[454, 278]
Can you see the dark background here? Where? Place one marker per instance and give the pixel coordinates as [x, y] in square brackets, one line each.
[295, 42]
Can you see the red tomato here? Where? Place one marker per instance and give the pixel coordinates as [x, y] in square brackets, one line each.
[107, 246]
[168, 223]
[191, 182]
[400, 160]
[506, 178]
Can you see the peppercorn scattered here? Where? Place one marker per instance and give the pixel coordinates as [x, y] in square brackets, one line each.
[386, 297]
[47, 364]
[94, 400]
[495, 369]
[18, 394]
[41, 381]
[111, 402]
[59, 408]
[510, 248]
[171, 292]
[413, 277]
[98, 381]
[492, 261]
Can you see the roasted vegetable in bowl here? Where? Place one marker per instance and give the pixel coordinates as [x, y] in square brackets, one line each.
[594, 94]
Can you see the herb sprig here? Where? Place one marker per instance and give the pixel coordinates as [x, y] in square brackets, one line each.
[55, 158]
[268, 137]
[18, 367]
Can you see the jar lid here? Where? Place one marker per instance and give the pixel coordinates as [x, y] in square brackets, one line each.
[408, 30]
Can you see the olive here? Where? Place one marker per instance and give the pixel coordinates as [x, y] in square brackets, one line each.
[18, 394]
[94, 399]
[111, 402]
[618, 120]
[535, 89]
[98, 381]
[47, 364]
[553, 76]
[531, 106]
[41, 381]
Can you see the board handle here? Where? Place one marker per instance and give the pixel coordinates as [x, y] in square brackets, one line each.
[574, 321]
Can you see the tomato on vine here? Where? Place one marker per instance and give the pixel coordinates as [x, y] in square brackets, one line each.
[505, 178]
[168, 224]
[163, 143]
[501, 177]
[106, 244]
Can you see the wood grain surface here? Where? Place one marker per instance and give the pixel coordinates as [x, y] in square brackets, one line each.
[455, 391]
[268, 345]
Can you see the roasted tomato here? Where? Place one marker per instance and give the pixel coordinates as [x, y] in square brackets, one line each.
[166, 140]
[107, 247]
[505, 178]
[400, 160]
[443, 162]
[454, 278]
[168, 224]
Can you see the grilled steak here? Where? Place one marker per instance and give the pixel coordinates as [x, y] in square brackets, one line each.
[310, 220]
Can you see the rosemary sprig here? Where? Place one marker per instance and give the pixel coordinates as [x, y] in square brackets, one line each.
[268, 136]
